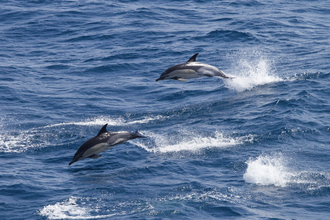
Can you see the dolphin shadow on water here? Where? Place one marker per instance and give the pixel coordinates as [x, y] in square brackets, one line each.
[103, 141]
[191, 69]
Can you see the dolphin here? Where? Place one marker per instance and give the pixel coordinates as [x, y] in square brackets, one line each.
[191, 69]
[103, 141]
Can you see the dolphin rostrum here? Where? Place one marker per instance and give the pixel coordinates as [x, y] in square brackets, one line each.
[191, 69]
[103, 141]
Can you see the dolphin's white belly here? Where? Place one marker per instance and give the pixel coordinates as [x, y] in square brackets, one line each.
[95, 150]
[184, 73]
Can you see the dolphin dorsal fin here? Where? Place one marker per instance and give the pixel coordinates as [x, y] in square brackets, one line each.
[103, 130]
[193, 58]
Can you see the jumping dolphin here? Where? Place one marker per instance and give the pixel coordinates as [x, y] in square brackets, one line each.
[191, 69]
[103, 141]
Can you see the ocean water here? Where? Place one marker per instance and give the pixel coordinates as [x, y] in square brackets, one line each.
[254, 147]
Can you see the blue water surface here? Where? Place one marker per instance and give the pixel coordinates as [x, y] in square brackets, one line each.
[252, 147]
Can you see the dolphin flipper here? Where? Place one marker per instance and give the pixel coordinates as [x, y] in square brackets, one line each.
[139, 135]
[180, 79]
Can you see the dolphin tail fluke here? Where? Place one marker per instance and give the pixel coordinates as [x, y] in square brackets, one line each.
[223, 75]
[229, 77]
[139, 135]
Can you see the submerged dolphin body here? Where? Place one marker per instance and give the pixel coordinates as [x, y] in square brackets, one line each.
[191, 69]
[103, 141]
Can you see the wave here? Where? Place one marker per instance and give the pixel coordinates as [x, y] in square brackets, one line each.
[188, 141]
[275, 170]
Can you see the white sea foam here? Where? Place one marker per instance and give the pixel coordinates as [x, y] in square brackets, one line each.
[267, 170]
[274, 170]
[93, 122]
[251, 72]
[110, 121]
[15, 142]
[73, 208]
[188, 141]
[93, 208]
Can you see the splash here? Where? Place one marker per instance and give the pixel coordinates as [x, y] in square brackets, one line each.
[274, 170]
[251, 72]
[268, 170]
[188, 141]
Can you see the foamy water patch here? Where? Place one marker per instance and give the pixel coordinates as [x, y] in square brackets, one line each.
[74, 208]
[94, 208]
[251, 72]
[17, 142]
[188, 141]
